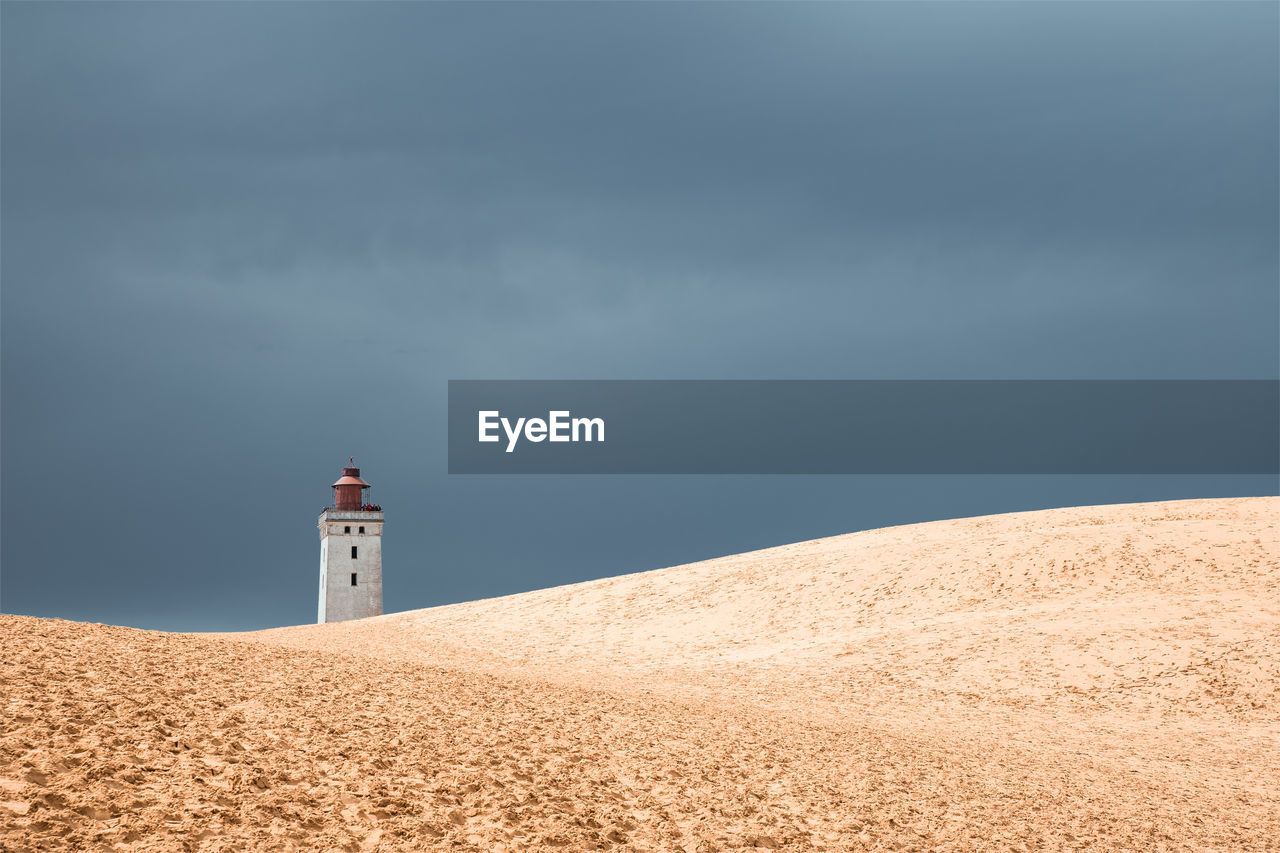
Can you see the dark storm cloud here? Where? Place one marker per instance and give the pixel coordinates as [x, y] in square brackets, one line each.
[242, 241]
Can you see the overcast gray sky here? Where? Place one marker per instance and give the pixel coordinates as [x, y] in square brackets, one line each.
[242, 242]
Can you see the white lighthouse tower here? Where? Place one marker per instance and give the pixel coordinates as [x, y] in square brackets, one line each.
[350, 552]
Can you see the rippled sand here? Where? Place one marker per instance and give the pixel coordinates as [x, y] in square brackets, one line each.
[1097, 678]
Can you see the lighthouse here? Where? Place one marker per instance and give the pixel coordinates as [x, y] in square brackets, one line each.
[350, 552]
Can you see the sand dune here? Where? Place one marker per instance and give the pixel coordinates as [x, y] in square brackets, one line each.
[1098, 678]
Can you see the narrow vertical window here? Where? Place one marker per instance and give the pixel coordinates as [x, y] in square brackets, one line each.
[362, 528]
[353, 552]
[347, 529]
[353, 578]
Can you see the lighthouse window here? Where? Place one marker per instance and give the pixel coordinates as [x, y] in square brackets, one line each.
[353, 552]
[347, 529]
[362, 528]
[353, 578]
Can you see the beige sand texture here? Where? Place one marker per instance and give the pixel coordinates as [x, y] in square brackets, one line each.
[1095, 678]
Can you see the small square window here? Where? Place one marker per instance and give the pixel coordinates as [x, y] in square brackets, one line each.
[347, 529]
[353, 579]
[353, 552]
[362, 528]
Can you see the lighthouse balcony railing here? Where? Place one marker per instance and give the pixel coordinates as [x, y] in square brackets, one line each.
[369, 512]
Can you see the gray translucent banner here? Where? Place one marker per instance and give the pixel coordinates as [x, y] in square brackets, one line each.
[865, 427]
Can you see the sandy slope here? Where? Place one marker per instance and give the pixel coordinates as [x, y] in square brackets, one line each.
[1100, 678]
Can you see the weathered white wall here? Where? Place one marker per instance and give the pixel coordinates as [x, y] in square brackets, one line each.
[339, 600]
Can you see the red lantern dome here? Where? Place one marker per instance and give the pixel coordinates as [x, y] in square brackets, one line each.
[348, 492]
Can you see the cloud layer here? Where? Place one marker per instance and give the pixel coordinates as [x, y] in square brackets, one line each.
[244, 241]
